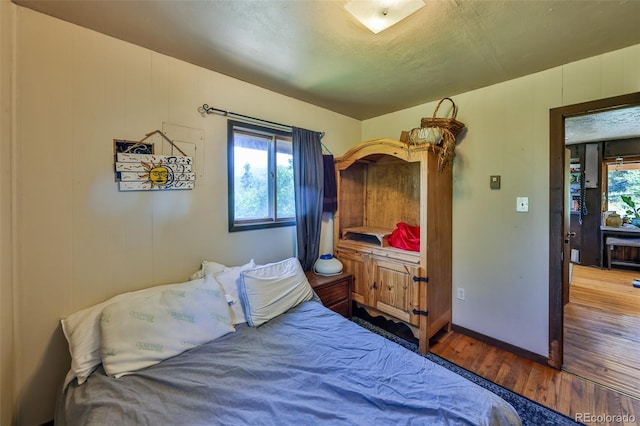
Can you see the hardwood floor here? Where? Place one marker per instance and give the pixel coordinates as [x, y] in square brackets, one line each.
[602, 328]
[578, 398]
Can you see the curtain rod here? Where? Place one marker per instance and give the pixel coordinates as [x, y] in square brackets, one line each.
[206, 109]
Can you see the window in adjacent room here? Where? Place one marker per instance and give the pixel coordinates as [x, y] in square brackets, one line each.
[260, 162]
[623, 180]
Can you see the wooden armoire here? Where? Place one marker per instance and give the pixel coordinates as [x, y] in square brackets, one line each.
[381, 183]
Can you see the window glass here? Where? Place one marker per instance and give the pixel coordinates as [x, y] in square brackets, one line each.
[286, 206]
[623, 182]
[251, 177]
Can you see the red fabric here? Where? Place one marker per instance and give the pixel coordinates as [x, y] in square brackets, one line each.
[405, 237]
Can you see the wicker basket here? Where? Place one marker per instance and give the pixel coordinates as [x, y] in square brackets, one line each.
[449, 123]
[441, 131]
[422, 135]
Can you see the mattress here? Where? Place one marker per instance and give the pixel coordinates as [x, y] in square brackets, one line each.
[308, 366]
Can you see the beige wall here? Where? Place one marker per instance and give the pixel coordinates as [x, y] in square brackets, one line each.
[81, 241]
[7, 383]
[500, 257]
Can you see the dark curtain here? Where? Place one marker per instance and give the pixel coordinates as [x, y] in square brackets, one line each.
[330, 202]
[308, 178]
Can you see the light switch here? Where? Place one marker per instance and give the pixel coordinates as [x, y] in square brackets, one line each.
[494, 182]
[522, 204]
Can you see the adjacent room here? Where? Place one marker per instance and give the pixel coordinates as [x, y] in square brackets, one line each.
[601, 313]
[281, 212]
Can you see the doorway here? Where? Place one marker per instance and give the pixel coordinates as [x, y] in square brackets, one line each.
[558, 236]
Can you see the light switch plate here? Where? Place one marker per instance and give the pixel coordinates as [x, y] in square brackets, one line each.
[494, 182]
[522, 204]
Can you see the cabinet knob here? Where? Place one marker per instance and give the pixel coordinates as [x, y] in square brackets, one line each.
[374, 286]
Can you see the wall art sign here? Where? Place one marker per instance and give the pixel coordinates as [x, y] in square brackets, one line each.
[150, 172]
[129, 147]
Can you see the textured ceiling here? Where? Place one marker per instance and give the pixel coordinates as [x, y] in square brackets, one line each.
[609, 125]
[315, 51]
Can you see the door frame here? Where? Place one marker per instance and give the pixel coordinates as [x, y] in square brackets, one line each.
[557, 207]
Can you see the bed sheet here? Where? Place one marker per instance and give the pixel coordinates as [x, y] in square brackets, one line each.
[308, 366]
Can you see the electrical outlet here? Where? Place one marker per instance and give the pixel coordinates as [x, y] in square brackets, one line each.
[460, 293]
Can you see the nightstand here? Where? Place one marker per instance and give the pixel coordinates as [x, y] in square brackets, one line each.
[334, 291]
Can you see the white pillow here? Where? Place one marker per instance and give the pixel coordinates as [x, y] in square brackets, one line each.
[207, 268]
[144, 330]
[229, 280]
[214, 268]
[82, 331]
[273, 289]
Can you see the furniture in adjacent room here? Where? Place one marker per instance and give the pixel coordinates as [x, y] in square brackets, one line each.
[382, 183]
[585, 183]
[621, 246]
[333, 290]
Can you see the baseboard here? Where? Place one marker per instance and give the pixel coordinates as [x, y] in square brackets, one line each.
[502, 345]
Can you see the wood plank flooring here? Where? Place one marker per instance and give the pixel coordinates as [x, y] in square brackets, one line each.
[602, 328]
[567, 393]
[562, 391]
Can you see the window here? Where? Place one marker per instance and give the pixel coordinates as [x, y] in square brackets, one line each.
[260, 162]
[623, 180]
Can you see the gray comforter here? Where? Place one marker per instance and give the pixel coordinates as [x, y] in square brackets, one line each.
[306, 367]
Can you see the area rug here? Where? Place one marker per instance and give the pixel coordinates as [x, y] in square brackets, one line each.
[531, 413]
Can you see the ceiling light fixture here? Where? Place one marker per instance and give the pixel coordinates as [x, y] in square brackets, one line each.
[378, 15]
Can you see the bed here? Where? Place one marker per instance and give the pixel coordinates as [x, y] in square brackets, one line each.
[306, 366]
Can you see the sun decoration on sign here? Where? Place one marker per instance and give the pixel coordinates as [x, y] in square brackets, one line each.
[157, 175]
